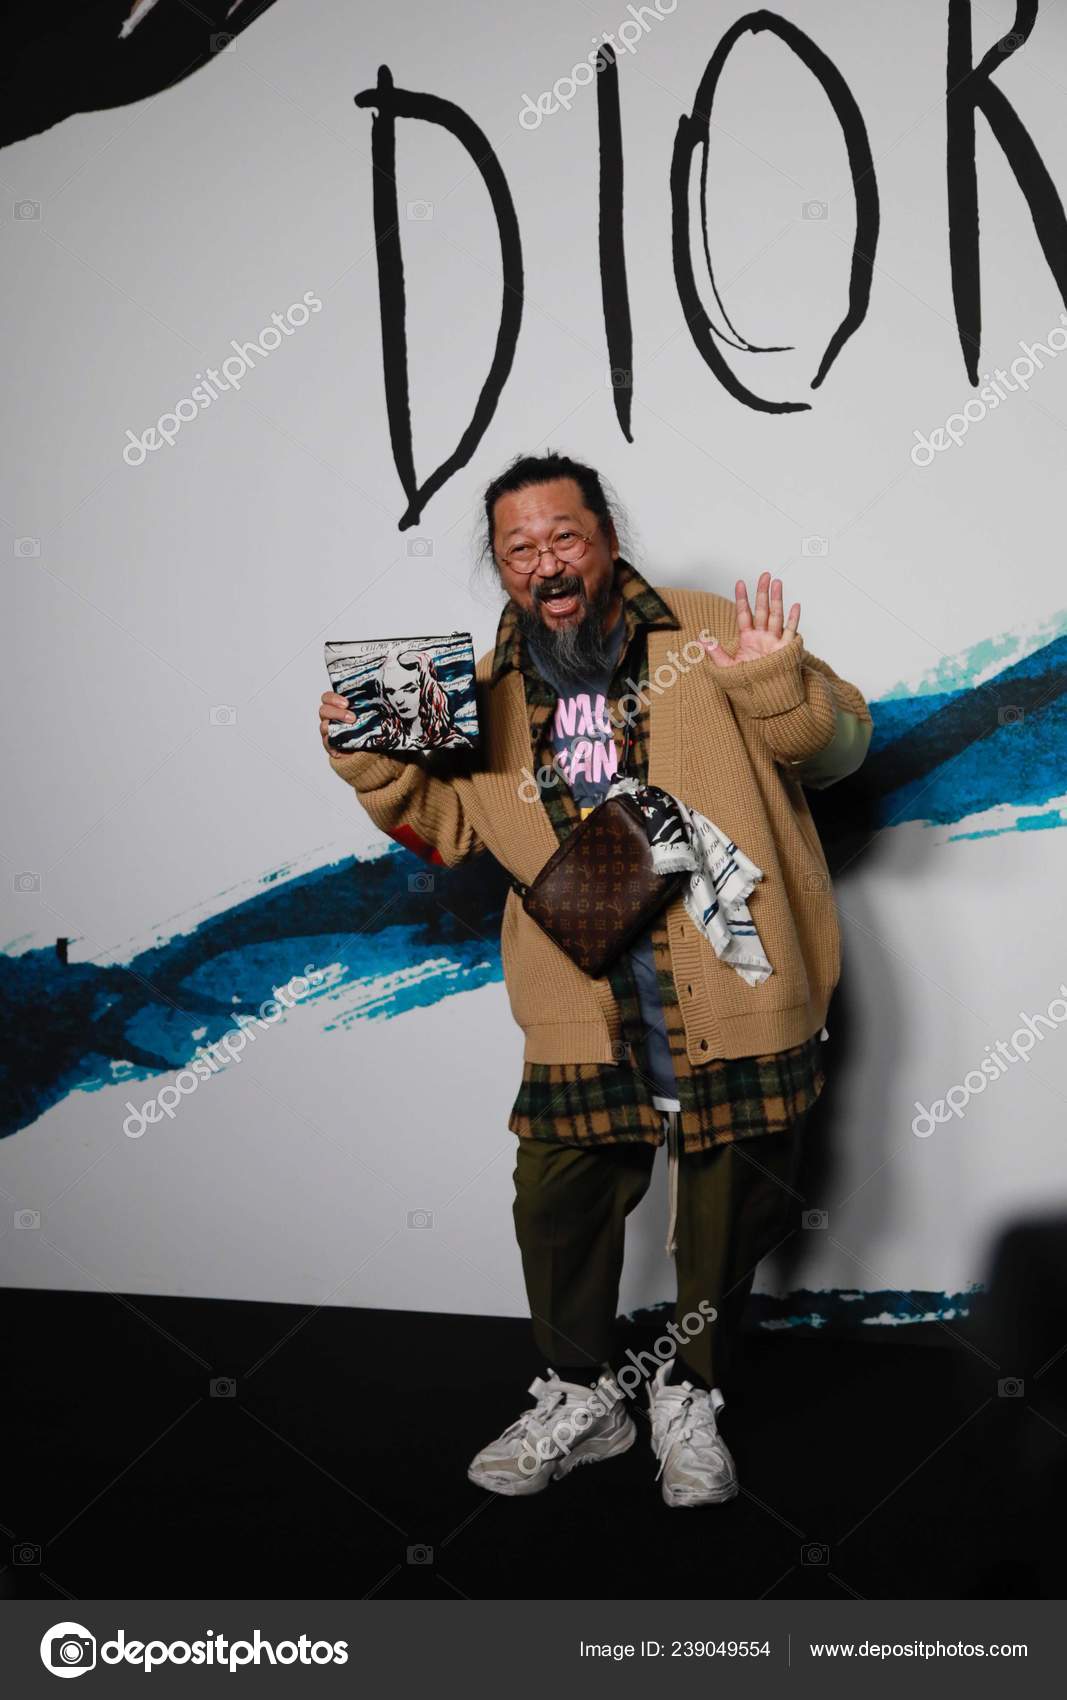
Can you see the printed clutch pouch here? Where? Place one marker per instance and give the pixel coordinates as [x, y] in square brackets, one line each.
[406, 693]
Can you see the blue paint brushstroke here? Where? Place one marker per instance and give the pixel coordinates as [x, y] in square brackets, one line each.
[94, 1025]
[944, 756]
[1023, 823]
[970, 666]
[1017, 762]
[936, 757]
[844, 1309]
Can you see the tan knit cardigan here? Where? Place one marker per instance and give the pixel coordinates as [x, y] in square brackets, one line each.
[722, 740]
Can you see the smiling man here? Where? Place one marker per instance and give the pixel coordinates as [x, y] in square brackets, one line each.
[672, 1045]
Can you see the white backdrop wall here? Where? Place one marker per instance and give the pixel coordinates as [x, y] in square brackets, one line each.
[165, 621]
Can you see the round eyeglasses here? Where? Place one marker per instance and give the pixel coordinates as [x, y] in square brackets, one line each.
[568, 545]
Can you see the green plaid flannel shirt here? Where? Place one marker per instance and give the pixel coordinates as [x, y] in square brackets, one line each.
[611, 1104]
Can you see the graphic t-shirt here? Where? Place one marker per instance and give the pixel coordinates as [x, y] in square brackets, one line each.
[585, 754]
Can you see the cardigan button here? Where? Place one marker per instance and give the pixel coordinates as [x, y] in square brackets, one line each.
[703, 1044]
[689, 991]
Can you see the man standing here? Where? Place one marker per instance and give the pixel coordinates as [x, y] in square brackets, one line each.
[732, 715]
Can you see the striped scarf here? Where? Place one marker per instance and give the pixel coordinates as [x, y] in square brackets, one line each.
[721, 876]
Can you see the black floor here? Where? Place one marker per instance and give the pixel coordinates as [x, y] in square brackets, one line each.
[337, 1467]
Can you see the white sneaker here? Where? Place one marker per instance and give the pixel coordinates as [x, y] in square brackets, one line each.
[569, 1425]
[695, 1462]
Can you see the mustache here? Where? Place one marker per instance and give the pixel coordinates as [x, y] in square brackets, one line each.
[570, 586]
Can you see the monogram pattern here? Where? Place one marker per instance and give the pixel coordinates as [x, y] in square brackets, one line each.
[599, 890]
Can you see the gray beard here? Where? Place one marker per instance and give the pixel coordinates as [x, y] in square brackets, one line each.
[576, 652]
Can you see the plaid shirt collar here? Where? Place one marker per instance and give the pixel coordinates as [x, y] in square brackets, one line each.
[641, 606]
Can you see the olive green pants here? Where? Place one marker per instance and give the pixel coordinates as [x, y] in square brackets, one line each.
[736, 1202]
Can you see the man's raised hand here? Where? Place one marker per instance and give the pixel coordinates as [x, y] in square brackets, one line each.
[759, 633]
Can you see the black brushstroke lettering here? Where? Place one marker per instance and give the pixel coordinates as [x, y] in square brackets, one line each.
[695, 131]
[391, 103]
[614, 293]
[971, 89]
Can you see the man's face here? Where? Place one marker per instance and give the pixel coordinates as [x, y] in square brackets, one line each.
[558, 593]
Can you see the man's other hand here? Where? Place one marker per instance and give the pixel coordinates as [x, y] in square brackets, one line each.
[332, 707]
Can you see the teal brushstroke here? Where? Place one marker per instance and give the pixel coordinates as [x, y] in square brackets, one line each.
[1018, 763]
[961, 672]
[936, 757]
[843, 1308]
[1025, 823]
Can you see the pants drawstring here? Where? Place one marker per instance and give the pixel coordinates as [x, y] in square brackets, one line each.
[671, 1117]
